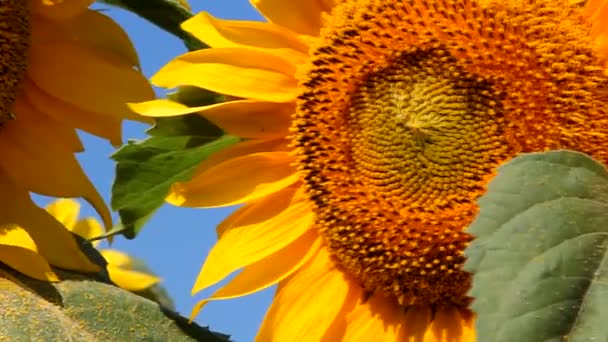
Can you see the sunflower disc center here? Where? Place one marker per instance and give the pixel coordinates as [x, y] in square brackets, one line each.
[424, 132]
[15, 33]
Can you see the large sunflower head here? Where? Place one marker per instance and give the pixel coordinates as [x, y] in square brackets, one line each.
[399, 114]
[62, 67]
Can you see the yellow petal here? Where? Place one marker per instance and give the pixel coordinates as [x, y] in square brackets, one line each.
[377, 319]
[18, 251]
[88, 228]
[219, 33]
[39, 160]
[241, 149]
[239, 72]
[91, 29]
[301, 16]
[117, 258]
[53, 241]
[236, 181]
[99, 124]
[307, 303]
[268, 271]
[94, 81]
[416, 324]
[66, 211]
[449, 326]
[596, 12]
[131, 280]
[59, 9]
[42, 124]
[273, 224]
[243, 118]
[251, 119]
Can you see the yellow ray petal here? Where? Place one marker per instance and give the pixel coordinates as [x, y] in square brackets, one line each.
[241, 149]
[301, 16]
[243, 118]
[117, 258]
[219, 33]
[94, 81]
[91, 29]
[66, 211]
[34, 157]
[307, 303]
[88, 228]
[52, 240]
[131, 280]
[225, 185]
[41, 124]
[239, 72]
[102, 125]
[18, 251]
[596, 12]
[376, 318]
[59, 9]
[251, 119]
[449, 326]
[272, 225]
[268, 271]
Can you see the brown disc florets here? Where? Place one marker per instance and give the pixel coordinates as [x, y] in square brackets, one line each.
[14, 43]
[407, 108]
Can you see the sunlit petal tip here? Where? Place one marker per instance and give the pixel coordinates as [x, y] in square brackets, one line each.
[301, 16]
[65, 210]
[219, 33]
[88, 228]
[162, 108]
[197, 308]
[27, 262]
[131, 280]
[19, 251]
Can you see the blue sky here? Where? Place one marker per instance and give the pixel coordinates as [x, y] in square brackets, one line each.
[176, 241]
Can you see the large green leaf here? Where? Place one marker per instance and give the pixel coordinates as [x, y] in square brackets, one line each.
[540, 257]
[146, 170]
[81, 309]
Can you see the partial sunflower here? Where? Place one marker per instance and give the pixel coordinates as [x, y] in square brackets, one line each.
[63, 67]
[120, 265]
[371, 127]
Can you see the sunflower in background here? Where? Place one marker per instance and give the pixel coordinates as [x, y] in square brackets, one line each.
[120, 265]
[370, 129]
[63, 67]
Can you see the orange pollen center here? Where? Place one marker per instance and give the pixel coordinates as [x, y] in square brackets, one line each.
[14, 44]
[407, 108]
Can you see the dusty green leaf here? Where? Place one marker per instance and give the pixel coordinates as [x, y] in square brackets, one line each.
[540, 257]
[80, 309]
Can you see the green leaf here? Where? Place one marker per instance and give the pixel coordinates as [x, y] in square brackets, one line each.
[540, 257]
[166, 14]
[81, 309]
[146, 170]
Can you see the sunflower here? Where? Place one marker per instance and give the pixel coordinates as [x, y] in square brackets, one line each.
[63, 67]
[369, 129]
[120, 265]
